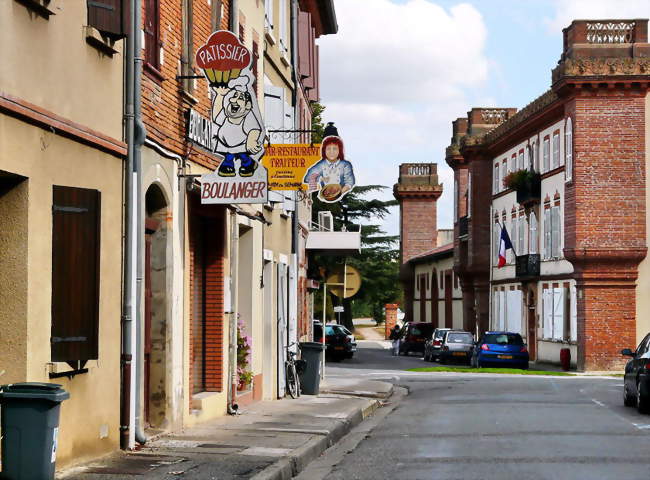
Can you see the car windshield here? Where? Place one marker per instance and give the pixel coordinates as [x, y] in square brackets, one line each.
[460, 338]
[440, 334]
[503, 339]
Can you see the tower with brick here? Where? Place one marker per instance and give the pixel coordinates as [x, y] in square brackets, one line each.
[417, 192]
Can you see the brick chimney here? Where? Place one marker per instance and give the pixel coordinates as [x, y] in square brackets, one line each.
[417, 191]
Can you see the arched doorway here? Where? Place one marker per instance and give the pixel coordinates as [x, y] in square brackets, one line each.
[155, 308]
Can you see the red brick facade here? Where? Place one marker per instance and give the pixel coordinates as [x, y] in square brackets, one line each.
[602, 89]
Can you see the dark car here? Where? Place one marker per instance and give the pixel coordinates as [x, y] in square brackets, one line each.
[457, 346]
[412, 337]
[500, 349]
[636, 384]
[433, 344]
[339, 341]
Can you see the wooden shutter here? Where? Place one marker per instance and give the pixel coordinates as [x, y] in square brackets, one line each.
[152, 33]
[547, 233]
[558, 313]
[547, 313]
[273, 108]
[109, 16]
[75, 274]
[254, 69]
[304, 44]
[555, 232]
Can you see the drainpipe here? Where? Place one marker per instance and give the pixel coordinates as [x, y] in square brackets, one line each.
[234, 17]
[126, 413]
[232, 347]
[140, 135]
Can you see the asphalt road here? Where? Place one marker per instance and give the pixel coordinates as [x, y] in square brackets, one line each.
[480, 426]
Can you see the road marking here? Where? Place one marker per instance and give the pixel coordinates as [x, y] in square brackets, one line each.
[600, 404]
[642, 426]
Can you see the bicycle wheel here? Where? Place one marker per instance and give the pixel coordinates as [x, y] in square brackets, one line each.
[292, 380]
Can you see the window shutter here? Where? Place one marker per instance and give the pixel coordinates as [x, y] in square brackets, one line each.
[495, 309]
[283, 26]
[521, 161]
[304, 47]
[568, 150]
[314, 93]
[268, 14]
[502, 310]
[152, 33]
[109, 17]
[547, 148]
[515, 239]
[532, 240]
[75, 274]
[558, 313]
[555, 232]
[522, 235]
[547, 313]
[273, 108]
[496, 178]
[574, 314]
[556, 150]
[547, 233]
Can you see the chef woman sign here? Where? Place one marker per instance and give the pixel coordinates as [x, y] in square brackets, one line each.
[332, 176]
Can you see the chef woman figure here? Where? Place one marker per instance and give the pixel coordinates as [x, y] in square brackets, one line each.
[332, 176]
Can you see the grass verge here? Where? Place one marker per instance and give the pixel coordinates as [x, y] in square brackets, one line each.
[511, 371]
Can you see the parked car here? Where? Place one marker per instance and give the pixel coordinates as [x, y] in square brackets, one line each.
[340, 342]
[457, 345]
[636, 384]
[503, 349]
[413, 336]
[433, 344]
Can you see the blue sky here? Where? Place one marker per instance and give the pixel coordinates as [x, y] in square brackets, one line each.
[399, 71]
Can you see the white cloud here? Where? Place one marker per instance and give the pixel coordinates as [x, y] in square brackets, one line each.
[393, 79]
[568, 10]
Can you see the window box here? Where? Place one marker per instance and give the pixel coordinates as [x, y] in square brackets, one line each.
[527, 184]
[527, 265]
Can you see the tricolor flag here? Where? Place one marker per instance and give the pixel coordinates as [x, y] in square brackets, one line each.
[504, 244]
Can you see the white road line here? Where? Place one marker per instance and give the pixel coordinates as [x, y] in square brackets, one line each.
[600, 404]
[642, 426]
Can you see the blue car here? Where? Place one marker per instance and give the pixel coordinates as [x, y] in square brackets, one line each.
[500, 349]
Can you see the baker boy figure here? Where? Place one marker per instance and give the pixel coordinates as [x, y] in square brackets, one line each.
[239, 129]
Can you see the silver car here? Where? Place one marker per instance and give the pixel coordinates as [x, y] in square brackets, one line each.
[457, 346]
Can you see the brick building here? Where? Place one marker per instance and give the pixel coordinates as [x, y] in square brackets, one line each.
[577, 218]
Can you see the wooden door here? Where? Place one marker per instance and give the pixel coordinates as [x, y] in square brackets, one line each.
[423, 298]
[150, 228]
[449, 299]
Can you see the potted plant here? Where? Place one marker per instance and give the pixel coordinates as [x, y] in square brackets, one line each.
[244, 374]
[526, 183]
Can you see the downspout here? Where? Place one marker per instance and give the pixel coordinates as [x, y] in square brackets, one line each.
[296, 116]
[126, 412]
[232, 346]
[234, 16]
[140, 135]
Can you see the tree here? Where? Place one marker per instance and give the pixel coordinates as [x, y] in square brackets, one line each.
[378, 261]
[317, 122]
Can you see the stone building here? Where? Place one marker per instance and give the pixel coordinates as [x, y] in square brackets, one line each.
[578, 219]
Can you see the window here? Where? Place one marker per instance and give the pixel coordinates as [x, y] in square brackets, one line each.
[469, 195]
[568, 150]
[529, 158]
[513, 163]
[497, 239]
[556, 304]
[268, 14]
[496, 178]
[283, 27]
[187, 52]
[514, 234]
[520, 165]
[521, 236]
[556, 149]
[152, 33]
[532, 237]
[108, 17]
[504, 172]
[546, 153]
[75, 274]
[536, 157]
[552, 232]
[215, 15]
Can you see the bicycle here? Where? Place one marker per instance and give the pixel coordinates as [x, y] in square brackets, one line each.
[292, 368]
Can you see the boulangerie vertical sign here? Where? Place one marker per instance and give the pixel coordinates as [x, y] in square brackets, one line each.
[237, 128]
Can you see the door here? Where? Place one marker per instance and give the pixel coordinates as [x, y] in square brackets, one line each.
[532, 329]
[449, 316]
[150, 228]
[267, 368]
[423, 298]
[282, 326]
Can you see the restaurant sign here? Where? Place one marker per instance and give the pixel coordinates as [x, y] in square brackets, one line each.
[287, 164]
[235, 131]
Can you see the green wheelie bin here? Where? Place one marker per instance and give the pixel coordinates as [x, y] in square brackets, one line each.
[30, 429]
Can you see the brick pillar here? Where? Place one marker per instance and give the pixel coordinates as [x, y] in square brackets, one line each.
[391, 318]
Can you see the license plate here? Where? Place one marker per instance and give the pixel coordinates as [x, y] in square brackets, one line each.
[419, 339]
[459, 354]
[505, 357]
[341, 348]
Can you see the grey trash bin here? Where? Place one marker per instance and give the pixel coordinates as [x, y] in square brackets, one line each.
[30, 428]
[310, 377]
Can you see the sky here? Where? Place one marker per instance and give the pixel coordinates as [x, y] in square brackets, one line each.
[398, 72]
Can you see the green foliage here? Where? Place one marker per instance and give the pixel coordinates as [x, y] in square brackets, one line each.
[520, 179]
[378, 261]
[317, 122]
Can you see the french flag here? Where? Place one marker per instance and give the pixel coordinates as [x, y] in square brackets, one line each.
[504, 244]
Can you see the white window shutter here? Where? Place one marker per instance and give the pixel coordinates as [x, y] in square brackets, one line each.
[555, 232]
[547, 313]
[558, 313]
[514, 231]
[502, 310]
[568, 150]
[547, 233]
[274, 109]
[532, 239]
[522, 235]
[495, 310]
[574, 314]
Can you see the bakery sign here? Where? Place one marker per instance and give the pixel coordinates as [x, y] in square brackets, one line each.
[235, 131]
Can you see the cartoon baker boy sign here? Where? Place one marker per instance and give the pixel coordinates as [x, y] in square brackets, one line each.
[332, 176]
[239, 127]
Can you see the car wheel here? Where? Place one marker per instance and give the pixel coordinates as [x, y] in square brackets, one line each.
[628, 400]
[642, 404]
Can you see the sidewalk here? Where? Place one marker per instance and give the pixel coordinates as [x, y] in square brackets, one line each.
[269, 440]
